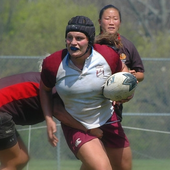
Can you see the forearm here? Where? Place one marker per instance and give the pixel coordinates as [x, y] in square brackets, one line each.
[139, 76]
[68, 120]
[46, 104]
[62, 115]
[124, 68]
[46, 101]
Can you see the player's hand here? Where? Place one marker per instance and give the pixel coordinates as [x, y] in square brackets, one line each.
[96, 132]
[124, 100]
[51, 130]
[133, 72]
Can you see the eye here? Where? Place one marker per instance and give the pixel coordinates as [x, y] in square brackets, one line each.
[107, 18]
[79, 38]
[69, 37]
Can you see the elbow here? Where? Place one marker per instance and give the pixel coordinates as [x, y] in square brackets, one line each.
[141, 77]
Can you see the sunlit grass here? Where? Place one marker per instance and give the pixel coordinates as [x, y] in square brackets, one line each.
[155, 164]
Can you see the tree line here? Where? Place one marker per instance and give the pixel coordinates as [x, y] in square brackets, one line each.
[37, 27]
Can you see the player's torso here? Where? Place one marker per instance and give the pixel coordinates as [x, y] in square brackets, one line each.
[125, 52]
[20, 98]
[83, 88]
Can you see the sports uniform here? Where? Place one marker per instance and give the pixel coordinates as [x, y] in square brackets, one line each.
[81, 92]
[128, 53]
[19, 104]
[130, 56]
[85, 95]
[78, 74]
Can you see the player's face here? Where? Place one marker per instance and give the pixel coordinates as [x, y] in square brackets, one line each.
[77, 43]
[110, 21]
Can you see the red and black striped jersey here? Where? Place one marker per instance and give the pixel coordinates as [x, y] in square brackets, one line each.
[19, 96]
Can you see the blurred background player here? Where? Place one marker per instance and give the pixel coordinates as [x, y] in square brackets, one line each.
[110, 21]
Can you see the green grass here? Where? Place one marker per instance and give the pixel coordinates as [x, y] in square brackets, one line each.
[75, 164]
[53, 165]
[155, 164]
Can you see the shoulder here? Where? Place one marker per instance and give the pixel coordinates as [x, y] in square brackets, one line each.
[125, 41]
[53, 61]
[110, 55]
[55, 57]
[50, 67]
[128, 47]
[105, 50]
[20, 78]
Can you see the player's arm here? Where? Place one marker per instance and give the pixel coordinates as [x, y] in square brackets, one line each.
[47, 107]
[124, 68]
[139, 75]
[62, 115]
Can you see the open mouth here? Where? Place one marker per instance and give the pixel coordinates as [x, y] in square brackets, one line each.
[74, 48]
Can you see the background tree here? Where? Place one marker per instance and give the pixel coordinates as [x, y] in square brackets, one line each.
[37, 27]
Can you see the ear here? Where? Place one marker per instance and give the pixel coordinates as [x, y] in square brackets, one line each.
[65, 43]
[99, 22]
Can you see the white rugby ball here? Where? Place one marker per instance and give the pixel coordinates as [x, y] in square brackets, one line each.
[119, 86]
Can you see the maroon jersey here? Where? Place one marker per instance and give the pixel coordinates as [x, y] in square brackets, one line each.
[130, 56]
[19, 96]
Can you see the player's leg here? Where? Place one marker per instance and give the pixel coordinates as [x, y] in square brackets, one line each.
[24, 156]
[117, 145]
[88, 148]
[93, 156]
[13, 153]
[15, 157]
[120, 158]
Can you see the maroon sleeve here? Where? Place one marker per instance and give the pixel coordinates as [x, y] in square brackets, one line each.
[50, 67]
[111, 56]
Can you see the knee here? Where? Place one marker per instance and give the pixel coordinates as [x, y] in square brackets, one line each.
[23, 162]
[17, 164]
[121, 159]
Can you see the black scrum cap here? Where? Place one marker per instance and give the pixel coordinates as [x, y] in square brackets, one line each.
[82, 24]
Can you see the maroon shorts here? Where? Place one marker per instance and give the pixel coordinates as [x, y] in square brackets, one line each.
[113, 135]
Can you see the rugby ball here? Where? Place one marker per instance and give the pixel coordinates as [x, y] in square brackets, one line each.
[120, 86]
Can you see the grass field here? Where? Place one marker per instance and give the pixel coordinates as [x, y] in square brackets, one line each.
[75, 164]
